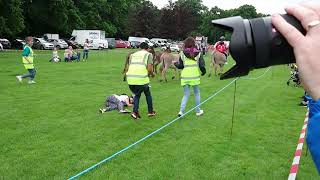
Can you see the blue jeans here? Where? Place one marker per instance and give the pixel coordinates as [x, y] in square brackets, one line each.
[137, 91]
[31, 74]
[186, 95]
[85, 54]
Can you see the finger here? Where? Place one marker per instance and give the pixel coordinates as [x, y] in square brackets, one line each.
[311, 5]
[292, 35]
[303, 14]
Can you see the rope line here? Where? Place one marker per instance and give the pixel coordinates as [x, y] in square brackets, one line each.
[248, 78]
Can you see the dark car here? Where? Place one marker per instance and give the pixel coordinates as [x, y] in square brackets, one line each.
[17, 43]
[5, 43]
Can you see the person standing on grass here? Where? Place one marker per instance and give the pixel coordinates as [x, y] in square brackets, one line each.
[140, 66]
[191, 62]
[85, 50]
[27, 60]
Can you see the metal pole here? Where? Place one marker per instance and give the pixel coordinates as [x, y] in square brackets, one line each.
[233, 108]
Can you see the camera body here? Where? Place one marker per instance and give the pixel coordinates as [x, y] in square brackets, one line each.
[255, 43]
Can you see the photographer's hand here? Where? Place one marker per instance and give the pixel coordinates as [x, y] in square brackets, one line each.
[306, 48]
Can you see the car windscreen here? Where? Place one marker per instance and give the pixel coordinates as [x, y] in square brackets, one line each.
[42, 41]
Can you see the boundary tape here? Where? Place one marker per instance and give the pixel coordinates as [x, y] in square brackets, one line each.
[296, 160]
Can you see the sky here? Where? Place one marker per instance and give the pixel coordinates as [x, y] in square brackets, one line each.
[262, 6]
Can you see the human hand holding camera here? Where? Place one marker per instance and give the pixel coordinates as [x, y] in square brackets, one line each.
[306, 47]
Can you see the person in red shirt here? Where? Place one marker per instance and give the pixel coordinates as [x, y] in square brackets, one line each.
[221, 46]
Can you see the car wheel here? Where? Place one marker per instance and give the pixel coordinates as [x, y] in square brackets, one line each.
[58, 47]
[42, 48]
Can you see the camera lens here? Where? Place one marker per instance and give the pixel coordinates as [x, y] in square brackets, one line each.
[256, 44]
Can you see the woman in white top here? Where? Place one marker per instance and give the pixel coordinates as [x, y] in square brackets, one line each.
[86, 50]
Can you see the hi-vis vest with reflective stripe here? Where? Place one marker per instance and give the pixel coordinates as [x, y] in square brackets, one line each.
[137, 73]
[28, 64]
[190, 74]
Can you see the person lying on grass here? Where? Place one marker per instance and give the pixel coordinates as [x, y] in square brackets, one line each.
[117, 102]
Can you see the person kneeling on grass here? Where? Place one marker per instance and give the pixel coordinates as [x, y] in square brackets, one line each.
[117, 102]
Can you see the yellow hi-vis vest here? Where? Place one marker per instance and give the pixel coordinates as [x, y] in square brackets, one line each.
[28, 64]
[137, 73]
[190, 74]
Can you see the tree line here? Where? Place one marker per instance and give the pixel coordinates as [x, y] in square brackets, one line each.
[177, 20]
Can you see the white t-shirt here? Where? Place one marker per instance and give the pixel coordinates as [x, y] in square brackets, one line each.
[121, 98]
[86, 46]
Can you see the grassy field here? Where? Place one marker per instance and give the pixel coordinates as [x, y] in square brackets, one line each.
[52, 129]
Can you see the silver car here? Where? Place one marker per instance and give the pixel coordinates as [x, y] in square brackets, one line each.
[40, 43]
[58, 43]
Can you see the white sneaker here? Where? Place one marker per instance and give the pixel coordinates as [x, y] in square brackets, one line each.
[31, 82]
[101, 110]
[19, 78]
[200, 113]
[180, 114]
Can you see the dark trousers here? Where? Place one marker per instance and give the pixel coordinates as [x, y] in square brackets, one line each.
[137, 91]
[31, 74]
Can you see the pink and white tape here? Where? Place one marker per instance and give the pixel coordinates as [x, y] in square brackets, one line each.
[296, 159]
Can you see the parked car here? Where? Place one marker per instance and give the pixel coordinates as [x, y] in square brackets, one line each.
[98, 44]
[111, 43]
[140, 39]
[40, 43]
[18, 43]
[58, 43]
[122, 44]
[173, 48]
[135, 44]
[5, 43]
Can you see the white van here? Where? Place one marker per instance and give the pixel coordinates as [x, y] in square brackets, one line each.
[140, 40]
[96, 38]
[51, 36]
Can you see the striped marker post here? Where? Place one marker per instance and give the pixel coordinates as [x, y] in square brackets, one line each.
[296, 159]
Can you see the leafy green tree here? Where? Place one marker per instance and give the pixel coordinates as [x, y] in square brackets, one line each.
[11, 17]
[143, 20]
[51, 16]
[167, 22]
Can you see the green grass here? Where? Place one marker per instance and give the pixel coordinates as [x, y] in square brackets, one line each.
[52, 129]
